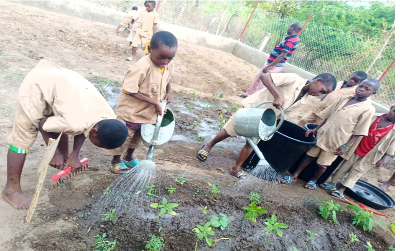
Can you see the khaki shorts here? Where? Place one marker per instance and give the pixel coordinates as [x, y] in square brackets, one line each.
[229, 126]
[348, 167]
[24, 132]
[137, 39]
[323, 158]
[132, 141]
[131, 36]
[309, 118]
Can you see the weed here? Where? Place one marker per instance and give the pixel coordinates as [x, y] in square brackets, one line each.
[353, 238]
[364, 218]
[253, 211]
[330, 209]
[254, 197]
[110, 215]
[189, 107]
[154, 243]
[151, 191]
[221, 222]
[171, 189]
[100, 244]
[222, 120]
[180, 180]
[83, 214]
[203, 232]
[272, 225]
[217, 95]
[107, 191]
[194, 93]
[215, 190]
[196, 123]
[159, 229]
[312, 236]
[164, 208]
[391, 248]
[204, 210]
[59, 231]
[199, 138]
[369, 246]
[234, 107]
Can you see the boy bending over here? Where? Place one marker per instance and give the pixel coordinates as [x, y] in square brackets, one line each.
[55, 100]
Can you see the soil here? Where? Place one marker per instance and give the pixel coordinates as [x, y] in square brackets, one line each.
[63, 219]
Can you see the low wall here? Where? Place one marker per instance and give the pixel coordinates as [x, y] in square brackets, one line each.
[94, 13]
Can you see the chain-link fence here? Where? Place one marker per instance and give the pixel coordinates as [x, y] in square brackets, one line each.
[321, 49]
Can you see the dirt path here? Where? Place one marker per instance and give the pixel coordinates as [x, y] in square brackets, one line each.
[92, 49]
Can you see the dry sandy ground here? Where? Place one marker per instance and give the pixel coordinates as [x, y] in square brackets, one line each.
[93, 49]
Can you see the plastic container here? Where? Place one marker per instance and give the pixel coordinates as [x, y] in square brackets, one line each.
[284, 149]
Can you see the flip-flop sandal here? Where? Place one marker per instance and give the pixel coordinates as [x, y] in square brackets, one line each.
[202, 153]
[131, 164]
[288, 180]
[240, 175]
[312, 185]
[337, 193]
[326, 186]
[119, 168]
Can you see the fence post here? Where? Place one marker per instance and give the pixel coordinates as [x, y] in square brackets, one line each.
[158, 5]
[387, 70]
[248, 21]
[304, 25]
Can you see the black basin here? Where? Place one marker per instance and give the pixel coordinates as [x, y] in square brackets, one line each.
[370, 195]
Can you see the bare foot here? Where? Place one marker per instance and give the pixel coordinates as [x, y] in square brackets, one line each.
[57, 161]
[17, 199]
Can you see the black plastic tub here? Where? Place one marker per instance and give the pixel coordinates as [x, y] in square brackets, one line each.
[284, 149]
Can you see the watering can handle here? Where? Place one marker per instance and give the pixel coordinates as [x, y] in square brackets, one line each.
[158, 124]
[281, 119]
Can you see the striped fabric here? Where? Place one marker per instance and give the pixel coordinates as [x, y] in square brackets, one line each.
[18, 150]
[288, 45]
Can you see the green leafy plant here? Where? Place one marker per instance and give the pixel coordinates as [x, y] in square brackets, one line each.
[272, 225]
[312, 236]
[196, 123]
[254, 197]
[154, 243]
[234, 107]
[151, 191]
[204, 210]
[391, 249]
[180, 180]
[215, 190]
[221, 222]
[107, 191]
[217, 95]
[110, 215]
[253, 211]
[222, 120]
[164, 208]
[353, 238]
[189, 107]
[170, 189]
[199, 138]
[363, 218]
[369, 246]
[101, 244]
[194, 93]
[329, 209]
[59, 231]
[203, 232]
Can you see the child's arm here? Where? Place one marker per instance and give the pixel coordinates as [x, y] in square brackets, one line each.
[314, 131]
[154, 28]
[73, 160]
[267, 81]
[342, 149]
[169, 92]
[144, 98]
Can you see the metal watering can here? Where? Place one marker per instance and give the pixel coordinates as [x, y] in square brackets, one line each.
[257, 123]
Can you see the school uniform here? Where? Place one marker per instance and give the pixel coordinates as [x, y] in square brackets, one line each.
[132, 15]
[71, 104]
[342, 122]
[313, 117]
[144, 31]
[365, 153]
[289, 86]
[146, 78]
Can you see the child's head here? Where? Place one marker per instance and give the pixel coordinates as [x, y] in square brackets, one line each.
[134, 8]
[391, 113]
[367, 87]
[163, 46]
[150, 5]
[322, 84]
[357, 78]
[108, 134]
[294, 29]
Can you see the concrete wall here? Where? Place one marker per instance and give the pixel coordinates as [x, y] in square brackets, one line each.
[94, 13]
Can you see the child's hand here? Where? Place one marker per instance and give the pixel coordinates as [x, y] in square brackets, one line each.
[73, 161]
[159, 108]
[340, 150]
[278, 102]
[314, 132]
[168, 97]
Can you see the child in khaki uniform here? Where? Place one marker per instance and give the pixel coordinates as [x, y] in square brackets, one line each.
[143, 89]
[367, 152]
[344, 121]
[283, 89]
[343, 88]
[54, 100]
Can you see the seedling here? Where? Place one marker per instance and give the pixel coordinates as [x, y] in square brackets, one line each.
[222, 120]
[329, 210]
[193, 92]
[312, 236]
[164, 208]
[110, 215]
[159, 229]
[369, 246]
[353, 238]
[203, 232]
[234, 107]
[59, 231]
[180, 180]
[199, 138]
[100, 244]
[253, 211]
[189, 107]
[195, 123]
[221, 222]
[391, 249]
[217, 95]
[364, 218]
[204, 210]
[154, 243]
[171, 189]
[272, 225]
[151, 191]
[214, 189]
[254, 197]
[107, 191]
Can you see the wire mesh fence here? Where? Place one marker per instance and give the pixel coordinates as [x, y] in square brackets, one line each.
[321, 49]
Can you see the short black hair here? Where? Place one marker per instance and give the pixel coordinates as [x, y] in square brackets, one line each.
[296, 26]
[163, 37]
[134, 8]
[327, 79]
[152, 2]
[361, 74]
[375, 83]
[145, 2]
[111, 133]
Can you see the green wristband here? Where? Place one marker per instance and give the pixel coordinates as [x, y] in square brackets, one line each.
[345, 146]
[18, 150]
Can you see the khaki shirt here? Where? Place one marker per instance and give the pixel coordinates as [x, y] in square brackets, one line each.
[289, 86]
[132, 15]
[72, 102]
[146, 22]
[343, 122]
[332, 97]
[143, 77]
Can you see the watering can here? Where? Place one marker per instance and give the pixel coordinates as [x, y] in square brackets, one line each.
[257, 123]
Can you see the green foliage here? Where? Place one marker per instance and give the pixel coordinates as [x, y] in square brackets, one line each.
[353, 238]
[215, 190]
[369, 246]
[164, 207]
[222, 120]
[101, 244]
[217, 95]
[312, 236]
[364, 219]
[110, 215]
[189, 107]
[59, 232]
[196, 123]
[391, 248]
[329, 209]
[253, 211]
[254, 197]
[151, 191]
[180, 180]
[234, 107]
[106, 191]
[204, 210]
[194, 93]
[219, 221]
[272, 225]
[170, 189]
[154, 243]
[199, 138]
[203, 232]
